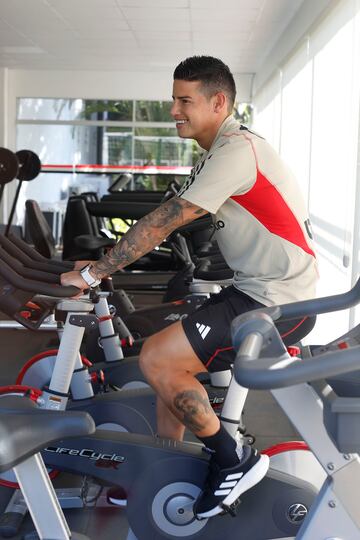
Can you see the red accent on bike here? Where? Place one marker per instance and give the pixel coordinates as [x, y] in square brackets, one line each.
[293, 350]
[127, 342]
[97, 377]
[25, 314]
[31, 305]
[34, 394]
[285, 447]
[19, 388]
[343, 345]
[85, 361]
[178, 302]
[40, 356]
[105, 318]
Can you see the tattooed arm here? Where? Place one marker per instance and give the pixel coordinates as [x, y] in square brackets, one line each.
[146, 234]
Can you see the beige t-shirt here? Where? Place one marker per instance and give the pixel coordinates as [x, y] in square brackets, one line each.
[262, 226]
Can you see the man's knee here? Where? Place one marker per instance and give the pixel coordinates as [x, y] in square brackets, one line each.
[167, 352]
[151, 357]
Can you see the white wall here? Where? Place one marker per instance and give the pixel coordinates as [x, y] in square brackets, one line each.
[309, 109]
[103, 85]
[305, 19]
[3, 97]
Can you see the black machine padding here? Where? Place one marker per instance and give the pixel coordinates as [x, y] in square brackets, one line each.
[25, 429]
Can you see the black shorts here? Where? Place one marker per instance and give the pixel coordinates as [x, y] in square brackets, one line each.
[208, 327]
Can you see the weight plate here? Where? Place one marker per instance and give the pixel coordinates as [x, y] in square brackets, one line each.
[29, 165]
[9, 166]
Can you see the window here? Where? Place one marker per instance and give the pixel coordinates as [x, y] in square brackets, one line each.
[90, 142]
[124, 132]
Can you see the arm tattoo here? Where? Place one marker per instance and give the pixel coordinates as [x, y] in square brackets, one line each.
[146, 234]
[194, 408]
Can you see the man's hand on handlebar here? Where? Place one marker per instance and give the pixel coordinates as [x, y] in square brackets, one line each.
[74, 278]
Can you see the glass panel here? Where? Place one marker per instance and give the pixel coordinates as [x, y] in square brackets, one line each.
[153, 111]
[69, 144]
[244, 113]
[117, 146]
[48, 109]
[156, 182]
[73, 109]
[162, 146]
[119, 111]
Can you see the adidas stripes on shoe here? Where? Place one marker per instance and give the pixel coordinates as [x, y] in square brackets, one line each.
[224, 486]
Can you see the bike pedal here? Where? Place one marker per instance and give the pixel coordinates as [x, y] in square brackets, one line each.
[250, 439]
[230, 509]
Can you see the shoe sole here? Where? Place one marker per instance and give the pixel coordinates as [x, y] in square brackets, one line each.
[258, 472]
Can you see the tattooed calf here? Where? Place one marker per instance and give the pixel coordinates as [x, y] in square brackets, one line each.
[194, 408]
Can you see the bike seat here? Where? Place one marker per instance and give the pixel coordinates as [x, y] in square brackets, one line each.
[25, 429]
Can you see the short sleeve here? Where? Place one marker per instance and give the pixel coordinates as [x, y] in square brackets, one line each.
[228, 169]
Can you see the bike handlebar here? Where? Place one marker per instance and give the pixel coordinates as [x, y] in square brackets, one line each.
[262, 361]
[36, 287]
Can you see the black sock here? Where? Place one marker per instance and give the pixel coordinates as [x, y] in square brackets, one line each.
[224, 447]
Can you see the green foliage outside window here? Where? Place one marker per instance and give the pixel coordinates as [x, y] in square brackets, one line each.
[108, 110]
[153, 111]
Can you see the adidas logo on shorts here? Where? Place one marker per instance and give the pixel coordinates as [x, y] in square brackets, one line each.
[204, 330]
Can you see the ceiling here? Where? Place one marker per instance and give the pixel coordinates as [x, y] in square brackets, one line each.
[139, 35]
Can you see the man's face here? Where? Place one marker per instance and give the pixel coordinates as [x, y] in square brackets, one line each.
[194, 112]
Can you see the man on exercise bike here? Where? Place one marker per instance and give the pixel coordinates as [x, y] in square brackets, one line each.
[264, 234]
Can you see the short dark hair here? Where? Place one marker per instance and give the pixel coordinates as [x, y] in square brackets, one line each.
[214, 75]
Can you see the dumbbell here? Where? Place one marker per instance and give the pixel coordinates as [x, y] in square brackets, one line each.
[24, 165]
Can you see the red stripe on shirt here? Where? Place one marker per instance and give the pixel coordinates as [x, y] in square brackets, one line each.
[267, 205]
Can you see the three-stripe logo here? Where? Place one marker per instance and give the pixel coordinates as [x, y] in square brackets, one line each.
[204, 330]
[230, 482]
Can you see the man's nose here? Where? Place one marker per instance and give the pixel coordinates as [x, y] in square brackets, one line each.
[174, 109]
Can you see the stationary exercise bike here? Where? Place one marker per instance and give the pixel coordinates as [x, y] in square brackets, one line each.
[128, 410]
[163, 478]
[167, 473]
[116, 371]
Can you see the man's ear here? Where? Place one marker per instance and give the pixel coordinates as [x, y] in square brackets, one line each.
[220, 102]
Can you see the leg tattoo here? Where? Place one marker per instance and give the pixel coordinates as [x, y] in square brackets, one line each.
[194, 408]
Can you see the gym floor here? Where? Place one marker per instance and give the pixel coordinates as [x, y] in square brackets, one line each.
[263, 418]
